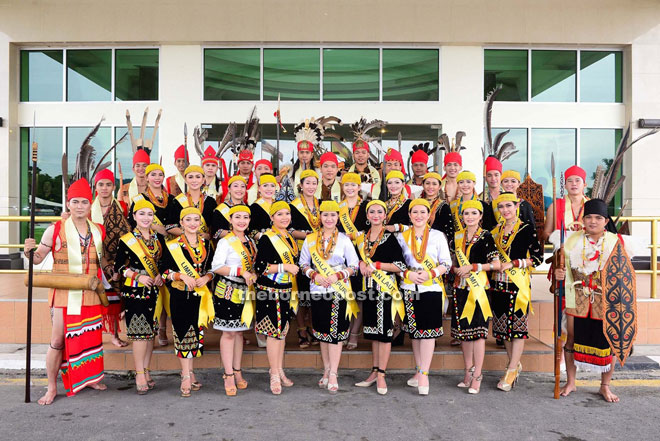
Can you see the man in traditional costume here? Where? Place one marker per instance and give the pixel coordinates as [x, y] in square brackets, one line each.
[176, 184]
[368, 175]
[570, 210]
[139, 183]
[110, 213]
[76, 344]
[329, 187]
[493, 168]
[245, 164]
[419, 161]
[214, 186]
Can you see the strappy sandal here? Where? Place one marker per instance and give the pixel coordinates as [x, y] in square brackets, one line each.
[381, 390]
[196, 385]
[352, 345]
[471, 389]
[141, 389]
[333, 387]
[463, 384]
[185, 392]
[229, 391]
[150, 382]
[275, 383]
[303, 341]
[284, 380]
[509, 380]
[323, 382]
[367, 383]
[241, 384]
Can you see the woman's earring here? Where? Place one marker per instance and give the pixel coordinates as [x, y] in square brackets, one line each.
[368, 222]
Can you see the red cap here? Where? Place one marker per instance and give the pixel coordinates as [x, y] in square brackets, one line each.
[209, 156]
[79, 189]
[453, 157]
[305, 146]
[420, 156]
[575, 171]
[395, 155]
[106, 173]
[263, 162]
[329, 156]
[141, 156]
[181, 153]
[492, 163]
[245, 155]
[357, 145]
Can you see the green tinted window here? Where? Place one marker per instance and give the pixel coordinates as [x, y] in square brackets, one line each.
[231, 74]
[554, 76]
[136, 74]
[597, 147]
[410, 75]
[293, 73]
[518, 161]
[601, 76]
[508, 68]
[124, 152]
[41, 75]
[350, 74]
[562, 143]
[89, 74]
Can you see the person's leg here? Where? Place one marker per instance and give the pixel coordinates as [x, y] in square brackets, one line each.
[354, 330]
[286, 382]
[325, 357]
[517, 346]
[384, 350]
[508, 347]
[162, 328]
[139, 354]
[238, 360]
[571, 370]
[426, 347]
[227, 342]
[186, 382]
[467, 347]
[478, 354]
[418, 359]
[375, 357]
[334, 355]
[54, 356]
[605, 380]
[147, 362]
[272, 351]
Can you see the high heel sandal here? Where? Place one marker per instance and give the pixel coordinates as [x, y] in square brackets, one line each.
[303, 342]
[423, 390]
[351, 345]
[333, 387]
[241, 384]
[509, 380]
[229, 391]
[367, 383]
[413, 382]
[141, 389]
[196, 385]
[275, 383]
[323, 382]
[463, 384]
[150, 382]
[381, 390]
[284, 380]
[472, 390]
[185, 392]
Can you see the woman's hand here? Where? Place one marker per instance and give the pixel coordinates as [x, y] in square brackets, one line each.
[331, 279]
[146, 281]
[560, 274]
[415, 277]
[423, 276]
[191, 284]
[202, 281]
[463, 271]
[365, 269]
[319, 280]
[158, 280]
[506, 266]
[390, 228]
[291, 268]
[250, 278]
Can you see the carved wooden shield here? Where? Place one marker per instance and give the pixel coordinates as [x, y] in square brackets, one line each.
[533, 193]
[619, 305]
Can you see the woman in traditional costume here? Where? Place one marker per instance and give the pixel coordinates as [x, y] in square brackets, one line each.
[427, 258]
[510, 183]
[276, 297]
[305, 219]
[440, 216]
[236, 189]
[138, 258]
[186, 267]
[475, 254]
[193, 197]
[328, 259]
[260, 220]
[466, 181]
[233, 263]
[381, 259]
[519, 252]
[397, 202]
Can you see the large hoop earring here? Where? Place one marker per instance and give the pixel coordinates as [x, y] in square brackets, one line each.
[368, 222]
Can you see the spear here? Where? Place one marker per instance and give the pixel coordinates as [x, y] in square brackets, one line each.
[28, 349]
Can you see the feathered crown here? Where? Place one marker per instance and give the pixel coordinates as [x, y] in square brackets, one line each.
[449, 147]
[141, 142]
[493, 148]
[607, 182]
[361, 127]
[315, 129]
[250, 135]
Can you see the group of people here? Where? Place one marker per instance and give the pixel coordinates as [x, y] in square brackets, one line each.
[357, 249]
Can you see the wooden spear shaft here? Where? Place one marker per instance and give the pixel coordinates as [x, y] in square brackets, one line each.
[28, 349]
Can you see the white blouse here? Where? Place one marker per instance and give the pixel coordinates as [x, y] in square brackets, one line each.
[226, 256]
[437, 249]
[342, 257]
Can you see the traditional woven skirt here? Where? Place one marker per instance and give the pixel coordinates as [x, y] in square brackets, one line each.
[273, 311]
[592, 352]
[423, 314]
[507, 323]
[82, 359]
[140, 307]
[227, 313]
[188, 335]
[377, 316]
[460, 328]
[329, 322]
[113, 310]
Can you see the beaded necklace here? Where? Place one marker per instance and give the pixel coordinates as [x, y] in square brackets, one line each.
[371, 246]
[313, 214]
[156, 200]
[393, 204]
[197, 253]
[326, 251]
[420, 253]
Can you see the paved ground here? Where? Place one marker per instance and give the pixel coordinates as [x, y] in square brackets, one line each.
[304, 412]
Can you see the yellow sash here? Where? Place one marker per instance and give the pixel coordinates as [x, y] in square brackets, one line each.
[224, 210]
[287, 257]
[341, 287]
[427, 264]
[156, 220]
[519, 276]
[183, 200]
[240, 296]
[75, 298]
[477, 283]
[150, 266]
[264, 205]
[345, 219]
[206, 311]
[385, 283]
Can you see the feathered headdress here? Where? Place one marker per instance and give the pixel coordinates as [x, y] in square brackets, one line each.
[493, 147]
[451, 147]
[608, 182]
[315, 130]
[141, 142]
[360, 130]
[249, 136]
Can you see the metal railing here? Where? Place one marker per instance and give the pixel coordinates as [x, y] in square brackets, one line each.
[653, 220]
